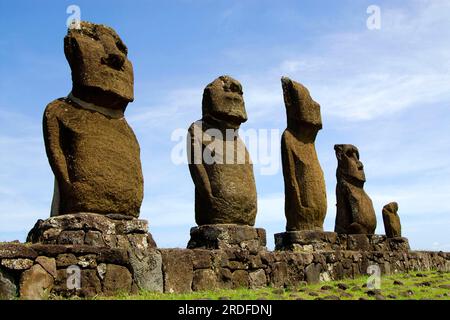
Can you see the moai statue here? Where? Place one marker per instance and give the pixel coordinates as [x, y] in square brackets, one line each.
[355, 212]
[391, 220]
[95, 158]
[304, 183]
[92, 150]
[219, 163]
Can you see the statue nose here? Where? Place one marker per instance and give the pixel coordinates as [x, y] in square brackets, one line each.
[114, 60]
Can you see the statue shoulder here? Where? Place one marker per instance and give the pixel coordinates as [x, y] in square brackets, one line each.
[56, 108]
[195, 127]
[287, 138]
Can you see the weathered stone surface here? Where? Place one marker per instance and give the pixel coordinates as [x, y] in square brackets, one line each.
[278, 274]
[308, 241]
[257, 279]
[65, 260]
[132, 226]
[312, 273]
[101, 170]
[304, 183]
[204, 280]
[355, 212]
[358, 242]
[240, 279]
[87, 261]
[8, 285]
[223, 236]
[17, 264]
[117, 279]
[219, 163]
[71, 237]
[50, 250]
[91, 285]
[94, 238]
[86, 228]
[331, 242]
[398, 244]
[202, 259]
[114, 256]
[35, 283]
[16, 250]
[391, 220]
[177, 270]
[147, 270]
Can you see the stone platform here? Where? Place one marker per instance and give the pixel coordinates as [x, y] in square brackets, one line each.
[35, 271]
[114, 254]
[106, 231]
[227, 236]
[29, 269]
[316, 241]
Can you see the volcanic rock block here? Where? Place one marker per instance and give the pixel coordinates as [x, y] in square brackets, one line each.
[17, 264]
[92, 150]
[225, 236]
[391, 220]
[8, 286]
[355, 212]
[178, 270]
[331, 242]
[219, 163]
[36, 283]
[117, 279]
[308, 241]
[304, 183]
[87, 230]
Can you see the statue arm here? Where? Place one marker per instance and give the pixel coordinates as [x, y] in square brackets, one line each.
[52, 137]
[195, 161]
[289, 168]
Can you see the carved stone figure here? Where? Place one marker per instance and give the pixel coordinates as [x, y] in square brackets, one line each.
[355, 212]
[304, 183]
[391, 220]
[219, 163]
[92, 150]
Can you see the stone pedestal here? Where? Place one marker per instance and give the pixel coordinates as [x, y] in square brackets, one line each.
[225, 236]
[314, 241]
[307, 241]
[107, 231]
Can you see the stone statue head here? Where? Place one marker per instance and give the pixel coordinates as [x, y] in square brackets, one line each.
[391, 208]
[301, 109]
[349, 165]
[223, 101]
[100, 67]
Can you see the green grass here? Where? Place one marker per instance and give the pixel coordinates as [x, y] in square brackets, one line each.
[356, 288]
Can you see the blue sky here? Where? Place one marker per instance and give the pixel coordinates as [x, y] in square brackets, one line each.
[387, 91]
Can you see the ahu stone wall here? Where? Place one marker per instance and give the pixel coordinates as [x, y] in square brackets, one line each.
[187, 270]
[35, 271]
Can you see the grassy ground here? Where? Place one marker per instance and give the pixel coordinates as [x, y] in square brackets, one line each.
[430, 285]
[413, 286]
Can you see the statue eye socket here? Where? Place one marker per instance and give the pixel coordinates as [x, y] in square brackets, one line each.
[122, 47]
[235, 88]
[349, 153]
